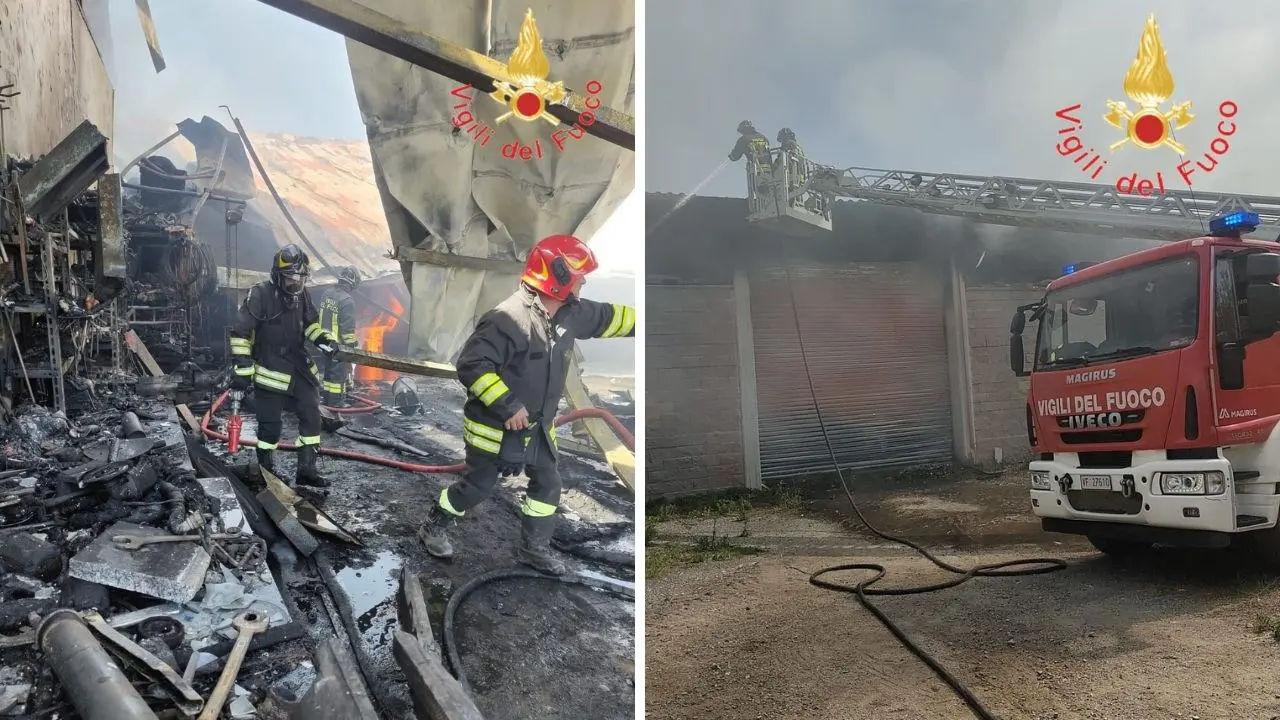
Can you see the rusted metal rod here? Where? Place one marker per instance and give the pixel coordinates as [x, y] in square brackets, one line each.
[93, 681]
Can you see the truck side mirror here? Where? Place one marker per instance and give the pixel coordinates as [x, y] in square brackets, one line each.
[1017, 362]
[1262, 295]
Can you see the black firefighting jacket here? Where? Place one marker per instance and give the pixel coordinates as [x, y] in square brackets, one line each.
[268, 339]
[755, 145]
[519, 356]
[338, 315]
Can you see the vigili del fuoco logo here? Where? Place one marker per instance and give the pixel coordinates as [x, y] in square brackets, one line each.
[523, 88]
[1149, 126]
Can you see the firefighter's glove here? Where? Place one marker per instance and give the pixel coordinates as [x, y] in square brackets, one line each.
[512, 454]
[328, 348]
[241, 383]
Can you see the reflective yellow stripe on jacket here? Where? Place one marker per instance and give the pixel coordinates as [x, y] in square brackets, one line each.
[272, 379]
[488, 388]
[624, 321]
[481, 436]
[314, 331]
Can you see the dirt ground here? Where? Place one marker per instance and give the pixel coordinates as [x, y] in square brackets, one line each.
[530, 648]
[1182, 635]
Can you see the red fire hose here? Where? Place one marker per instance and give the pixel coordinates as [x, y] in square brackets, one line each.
[366, 406]
[627, 438]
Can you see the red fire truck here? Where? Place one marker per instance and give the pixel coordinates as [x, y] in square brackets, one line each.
[1155, 393]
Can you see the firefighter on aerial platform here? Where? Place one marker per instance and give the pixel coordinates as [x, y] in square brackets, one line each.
[268, 338]
[514, 367]
[338, 318]
[796, 166]
[755, 147]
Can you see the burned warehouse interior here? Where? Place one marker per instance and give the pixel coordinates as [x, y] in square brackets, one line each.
[149, 570]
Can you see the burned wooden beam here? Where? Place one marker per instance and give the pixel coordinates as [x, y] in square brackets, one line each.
[65, 172]
[339, 692]
[110, 253]
[368, 358]
[437, 695]
[380, 32]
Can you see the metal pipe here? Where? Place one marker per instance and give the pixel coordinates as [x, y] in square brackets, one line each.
[148, 151]
[266, 179]
[93, 682]
[131, 426]
[187, 193]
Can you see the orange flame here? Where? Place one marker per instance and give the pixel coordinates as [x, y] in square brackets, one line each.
[371, 339]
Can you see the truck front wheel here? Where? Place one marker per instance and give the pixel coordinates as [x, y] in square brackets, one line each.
[1118, 549]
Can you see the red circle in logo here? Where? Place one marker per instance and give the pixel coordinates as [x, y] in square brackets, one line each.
[1149, 129]
[528, 104]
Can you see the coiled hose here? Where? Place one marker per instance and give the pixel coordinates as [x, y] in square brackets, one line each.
[863, 589]
[461, 594]
[627, 438]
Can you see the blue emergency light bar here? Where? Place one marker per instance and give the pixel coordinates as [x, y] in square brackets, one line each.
[1076, 267]
[1234, 224]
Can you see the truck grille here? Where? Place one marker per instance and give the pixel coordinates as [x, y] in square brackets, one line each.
[1089, 437]
[1105, 501]
[1109, 459]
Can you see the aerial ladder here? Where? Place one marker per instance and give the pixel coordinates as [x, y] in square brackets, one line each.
[797, 196]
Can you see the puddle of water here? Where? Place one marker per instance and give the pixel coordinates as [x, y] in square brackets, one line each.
[625, 544]
[370, 586]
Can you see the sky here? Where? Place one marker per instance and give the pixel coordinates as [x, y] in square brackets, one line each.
[960, 86]
[277, 73]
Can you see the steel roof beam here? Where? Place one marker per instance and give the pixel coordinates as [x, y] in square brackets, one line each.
[384, 33]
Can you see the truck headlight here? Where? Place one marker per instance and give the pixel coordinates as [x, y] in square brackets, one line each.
[1193, 483]
[1039, 480]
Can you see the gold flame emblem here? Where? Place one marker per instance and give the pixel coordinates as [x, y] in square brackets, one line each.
[1149, 84]
[526, 92]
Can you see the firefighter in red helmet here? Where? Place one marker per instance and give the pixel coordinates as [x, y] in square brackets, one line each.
[514, 367]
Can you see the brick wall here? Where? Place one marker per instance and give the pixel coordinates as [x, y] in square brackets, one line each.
[693, 430]
[999, 398]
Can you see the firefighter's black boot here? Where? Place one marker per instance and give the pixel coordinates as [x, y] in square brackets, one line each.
[434, 533]
[266, 459]
[307, 474]
[332, 399]
[535, 545]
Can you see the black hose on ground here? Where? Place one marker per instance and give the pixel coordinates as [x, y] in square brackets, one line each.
[455, 601]
[863, 590]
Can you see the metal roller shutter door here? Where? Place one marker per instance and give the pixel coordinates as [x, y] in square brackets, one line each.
[875, 340]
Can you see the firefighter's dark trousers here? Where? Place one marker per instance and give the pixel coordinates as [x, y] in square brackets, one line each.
[477, 484]
[336, 376]
[303, 399]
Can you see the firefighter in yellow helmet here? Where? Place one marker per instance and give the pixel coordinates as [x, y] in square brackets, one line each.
[268, 346]
[514, 367]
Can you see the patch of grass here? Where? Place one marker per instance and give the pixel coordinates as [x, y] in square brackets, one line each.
[1263, 623]
[662, 559]
[736, 504]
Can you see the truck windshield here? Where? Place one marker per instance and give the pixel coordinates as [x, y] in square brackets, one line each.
[1129, 314]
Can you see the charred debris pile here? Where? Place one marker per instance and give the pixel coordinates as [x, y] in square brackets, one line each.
[140, 576]
[129, 577]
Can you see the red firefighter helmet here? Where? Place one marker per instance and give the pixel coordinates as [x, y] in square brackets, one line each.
[556, 264]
